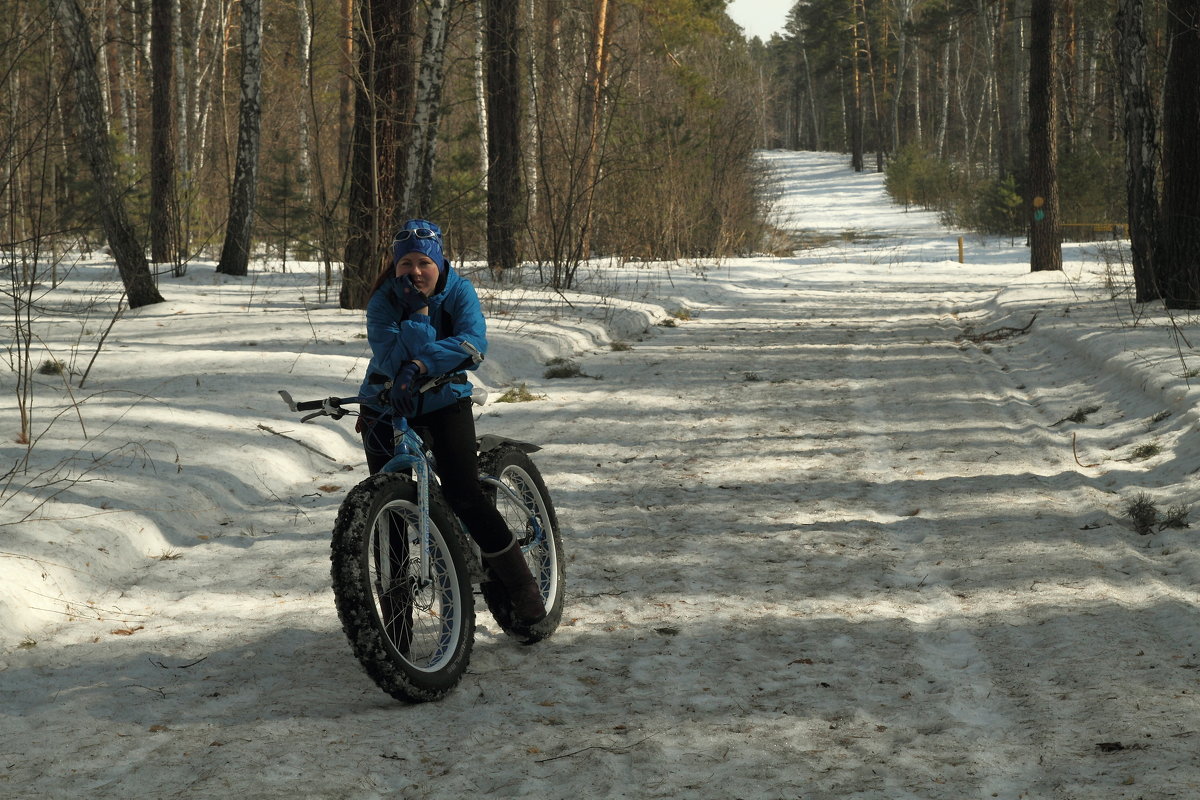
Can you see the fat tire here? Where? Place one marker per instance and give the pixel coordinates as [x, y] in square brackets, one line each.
[444, 611]
[544, 556]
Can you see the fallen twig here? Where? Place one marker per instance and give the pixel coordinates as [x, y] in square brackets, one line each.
[618, 750]
[1078, 415]
[1000, 334]
[178, 666]
[1076, 454]
[305, 445]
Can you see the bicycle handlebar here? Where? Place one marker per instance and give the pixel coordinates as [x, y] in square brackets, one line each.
[310, 405]
[334, 406]
[330, 406]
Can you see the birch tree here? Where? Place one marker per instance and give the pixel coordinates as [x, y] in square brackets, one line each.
[97, 148]
[304, 42]
[941, 129]
[235, 253]
[121, 99]
[478, 30]
[347, 85]
[533, 78]
[904, 65]
[181, 90]
[417, 198]
[597, 78]
[1013, 115]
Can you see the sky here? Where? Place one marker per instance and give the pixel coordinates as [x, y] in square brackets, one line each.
[759, 18]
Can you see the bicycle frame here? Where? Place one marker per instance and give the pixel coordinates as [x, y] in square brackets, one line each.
[539, 533]
[410, 454]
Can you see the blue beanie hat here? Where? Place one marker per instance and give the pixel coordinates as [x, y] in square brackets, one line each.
[419, 236]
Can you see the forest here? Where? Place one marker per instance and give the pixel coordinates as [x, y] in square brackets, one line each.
[549, 132]
[594, 127]
[1050, 118]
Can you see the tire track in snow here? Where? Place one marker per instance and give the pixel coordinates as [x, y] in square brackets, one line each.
[985, 594]
[960, 728]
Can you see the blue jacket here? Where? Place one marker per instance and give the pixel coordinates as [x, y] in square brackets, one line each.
[454, 315]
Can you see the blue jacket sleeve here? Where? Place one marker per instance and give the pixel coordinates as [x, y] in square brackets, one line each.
[439, 356]
[392, 342]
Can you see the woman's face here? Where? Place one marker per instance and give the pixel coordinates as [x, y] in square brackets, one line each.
[422, 269]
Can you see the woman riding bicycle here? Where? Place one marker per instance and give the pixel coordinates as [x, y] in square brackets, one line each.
[420, 315]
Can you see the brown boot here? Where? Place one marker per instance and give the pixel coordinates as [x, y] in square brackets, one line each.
[510, 568]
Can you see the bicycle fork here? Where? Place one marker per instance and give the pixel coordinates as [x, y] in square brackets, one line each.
[411, 460]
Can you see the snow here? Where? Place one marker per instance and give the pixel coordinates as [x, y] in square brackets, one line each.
[831, 536]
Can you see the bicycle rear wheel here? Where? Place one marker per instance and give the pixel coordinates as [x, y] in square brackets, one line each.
[522, 499]
[409, 615]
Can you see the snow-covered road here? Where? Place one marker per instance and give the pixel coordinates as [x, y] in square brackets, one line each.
[821, 544]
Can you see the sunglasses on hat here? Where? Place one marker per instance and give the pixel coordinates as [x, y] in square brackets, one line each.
[416, 233]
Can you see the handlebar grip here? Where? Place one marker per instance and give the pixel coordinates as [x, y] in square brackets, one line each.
[331, 406]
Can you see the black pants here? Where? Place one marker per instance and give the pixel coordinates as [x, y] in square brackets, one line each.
[450, 434]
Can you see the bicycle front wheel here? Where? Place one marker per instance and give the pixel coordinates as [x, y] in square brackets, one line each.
[516, 486]
[407, 609]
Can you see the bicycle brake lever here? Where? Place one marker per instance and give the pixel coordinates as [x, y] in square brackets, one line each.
[472, 350]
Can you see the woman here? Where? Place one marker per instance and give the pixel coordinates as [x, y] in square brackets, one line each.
[420, 316]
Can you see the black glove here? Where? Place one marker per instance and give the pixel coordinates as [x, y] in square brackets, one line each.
[411, 298]
[403, 395]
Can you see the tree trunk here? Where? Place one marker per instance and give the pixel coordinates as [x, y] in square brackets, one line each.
[383, 112]
[1066, 72]
[417, 198]
[184, 178]
[348, 85]
[481, 92]
[855, 123]
[182, 111]
[164, 215]
[304, 145]
[866, 55]
[1141, 146]
[1177, 263]
[533, 146]
[943, 117]
[1013, 156]
[235, 254]
[504, 105]
[596, 77]
[903, 20]
[118, 97]
[1045, 242]
[812, 100]
[918, 126]
[997, 121]
[362, 232]
[208, 27]
[98, 152]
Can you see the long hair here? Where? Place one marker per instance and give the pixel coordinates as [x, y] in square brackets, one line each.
[388, 269]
